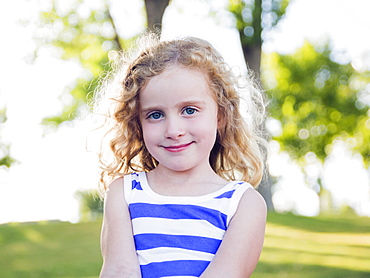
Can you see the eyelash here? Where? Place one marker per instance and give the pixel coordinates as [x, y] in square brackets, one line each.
[160, 114]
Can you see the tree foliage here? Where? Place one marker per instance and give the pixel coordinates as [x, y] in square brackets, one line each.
[84, 31]
[84, 34]
[253, 18]
[91, 205]
[5, 158]
[316, 101]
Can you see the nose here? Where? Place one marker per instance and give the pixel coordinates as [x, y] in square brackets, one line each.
[175, 127]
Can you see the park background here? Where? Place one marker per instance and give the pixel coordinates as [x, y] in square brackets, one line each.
[315, 67]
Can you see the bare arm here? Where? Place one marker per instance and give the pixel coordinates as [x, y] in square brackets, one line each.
[241, 247]
[117, 243]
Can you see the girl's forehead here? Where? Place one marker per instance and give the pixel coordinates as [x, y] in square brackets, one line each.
[180, 72]
[177, 81]
[175, 68]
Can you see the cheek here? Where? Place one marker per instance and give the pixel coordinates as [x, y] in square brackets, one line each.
[150, 133]
[208, 128]
[146, 132]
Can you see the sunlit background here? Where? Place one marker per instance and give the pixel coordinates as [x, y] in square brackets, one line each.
[53, 164]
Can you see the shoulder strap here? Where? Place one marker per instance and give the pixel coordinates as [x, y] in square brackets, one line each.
[241, 187]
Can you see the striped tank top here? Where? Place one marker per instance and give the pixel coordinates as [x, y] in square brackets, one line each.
[178, 236]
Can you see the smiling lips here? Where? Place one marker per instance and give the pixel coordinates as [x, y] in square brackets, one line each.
[177, 148]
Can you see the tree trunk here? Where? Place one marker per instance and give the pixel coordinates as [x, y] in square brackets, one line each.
[116, 37]
[252, 57]
[252, 49]
[265, 189]
[154, 13]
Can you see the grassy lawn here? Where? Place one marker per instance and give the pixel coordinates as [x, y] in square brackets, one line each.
[50, 250]
[315, 247]
[294, 247]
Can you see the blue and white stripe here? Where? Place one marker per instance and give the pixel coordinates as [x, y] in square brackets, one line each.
[178, 236]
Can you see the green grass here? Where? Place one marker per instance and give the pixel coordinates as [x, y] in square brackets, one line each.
[50, 250]
[295, 246]
[327, 247]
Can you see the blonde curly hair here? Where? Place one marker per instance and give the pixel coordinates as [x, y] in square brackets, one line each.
[237, 151]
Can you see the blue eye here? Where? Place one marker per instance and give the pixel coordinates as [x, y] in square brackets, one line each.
[189, 110]
[155, 115]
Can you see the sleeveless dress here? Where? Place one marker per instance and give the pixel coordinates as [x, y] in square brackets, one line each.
[178, 236]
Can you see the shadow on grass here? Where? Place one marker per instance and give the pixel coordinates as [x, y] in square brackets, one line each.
[359, 257]
[58, 249]
[53, 272]
[269, 270]
[322, 224]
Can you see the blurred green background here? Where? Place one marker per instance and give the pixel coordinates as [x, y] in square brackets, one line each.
[318, 85]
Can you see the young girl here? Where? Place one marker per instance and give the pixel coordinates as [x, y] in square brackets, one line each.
[179, 143]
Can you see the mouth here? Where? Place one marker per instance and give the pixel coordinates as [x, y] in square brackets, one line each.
[177, 148]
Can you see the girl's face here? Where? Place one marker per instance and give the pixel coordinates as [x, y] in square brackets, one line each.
[178, 115]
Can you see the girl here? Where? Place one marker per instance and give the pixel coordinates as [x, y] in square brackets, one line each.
[179, 143]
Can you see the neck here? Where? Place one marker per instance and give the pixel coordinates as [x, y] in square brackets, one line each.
[183, 177]
[191, 182]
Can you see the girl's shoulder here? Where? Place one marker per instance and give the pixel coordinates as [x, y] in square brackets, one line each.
[252, 202]
[114, 186]
[115, 192]
[119, 188]
[235, 190]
